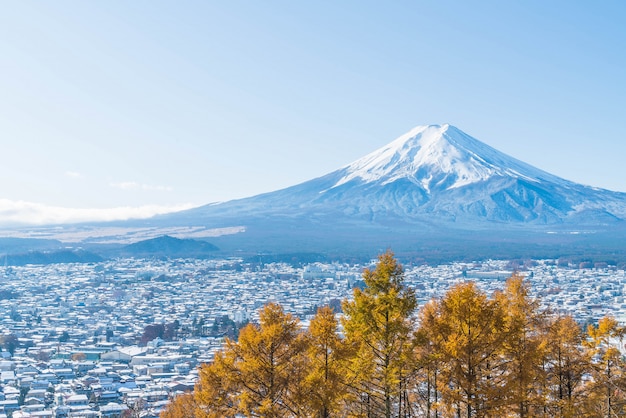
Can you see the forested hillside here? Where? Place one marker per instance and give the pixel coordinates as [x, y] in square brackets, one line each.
[466, 354]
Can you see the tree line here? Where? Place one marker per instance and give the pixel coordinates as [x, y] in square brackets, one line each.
[466, 354]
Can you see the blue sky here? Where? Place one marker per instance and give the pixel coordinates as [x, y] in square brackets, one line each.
[120, 108]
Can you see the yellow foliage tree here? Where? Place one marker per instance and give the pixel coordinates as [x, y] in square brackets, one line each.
[467, 332]
[566, 363]
[260, 375]
[378, 323]
[327, 355]
[523, 347]
[182, 406]
[429, 354]
[608, 389]
[216, 393]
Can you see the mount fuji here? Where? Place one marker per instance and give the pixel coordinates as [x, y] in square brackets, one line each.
[434, 190]
[434, 184]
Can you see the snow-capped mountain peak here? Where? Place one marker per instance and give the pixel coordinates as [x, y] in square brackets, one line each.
[437, 157]
[431, 183]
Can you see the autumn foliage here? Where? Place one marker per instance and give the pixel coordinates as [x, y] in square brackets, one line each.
[466, 354]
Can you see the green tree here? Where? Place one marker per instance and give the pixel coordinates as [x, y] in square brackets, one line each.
[9, 342]
[378, 323]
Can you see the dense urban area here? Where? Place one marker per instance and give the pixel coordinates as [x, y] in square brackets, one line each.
[123, 337]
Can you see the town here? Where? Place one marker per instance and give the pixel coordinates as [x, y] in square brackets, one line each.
[123, 337]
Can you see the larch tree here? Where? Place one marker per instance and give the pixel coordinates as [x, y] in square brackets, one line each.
[378, 323]
[217, 391]
[565, 363]
[428, 353]
[260, 375]
[523, 346]
[468, 337]
[609, 386]
[327, 356]
[182, 406]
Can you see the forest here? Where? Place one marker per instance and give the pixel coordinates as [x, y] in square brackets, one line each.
[466, 354]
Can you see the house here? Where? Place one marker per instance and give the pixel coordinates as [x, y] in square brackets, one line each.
[65, 374]
[58, 364]
[76, 401]
[39, 394]
[117, 356]
[113, 410]
[7, 377]
[9, 406]
[6, 366]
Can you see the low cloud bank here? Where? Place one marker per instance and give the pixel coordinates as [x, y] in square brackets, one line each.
[29, 213]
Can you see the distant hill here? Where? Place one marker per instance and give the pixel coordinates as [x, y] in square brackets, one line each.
[23, 251]
[9, 245]
[52, 257]
[167, 246]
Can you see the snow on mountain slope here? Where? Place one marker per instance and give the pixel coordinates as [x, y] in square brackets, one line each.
[439, 158]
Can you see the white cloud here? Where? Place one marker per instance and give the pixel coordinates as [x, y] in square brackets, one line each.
[126, 185]
[73, 174]
[29, 213]
[157, 188]
[133, 185]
